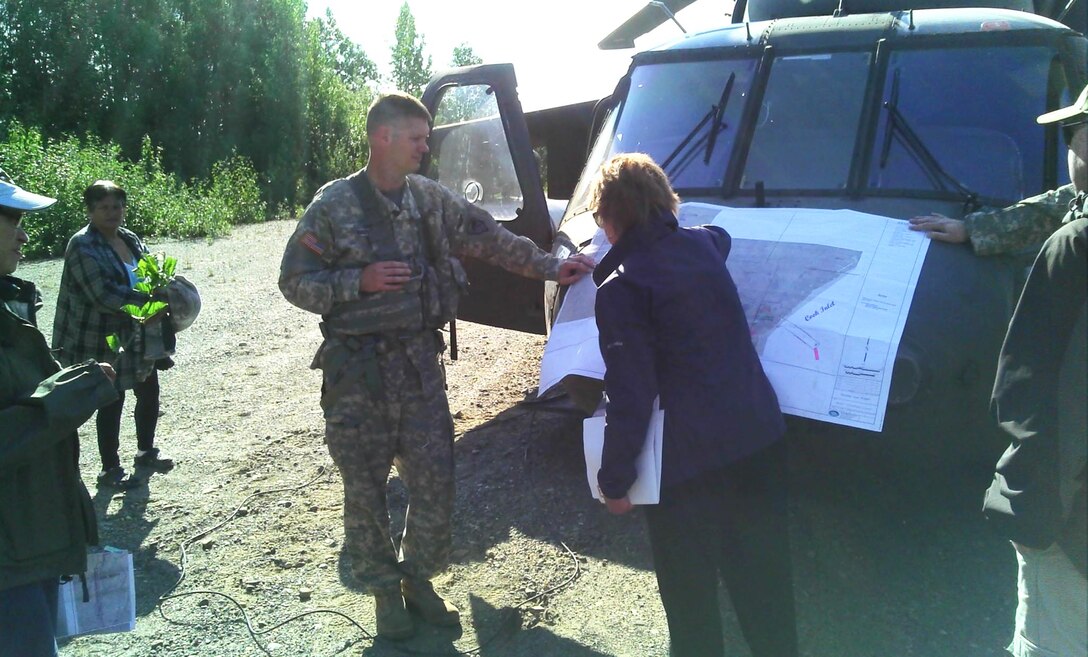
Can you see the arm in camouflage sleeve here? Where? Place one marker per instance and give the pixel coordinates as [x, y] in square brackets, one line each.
[309, 278]
[475, 233]
[1021, 225]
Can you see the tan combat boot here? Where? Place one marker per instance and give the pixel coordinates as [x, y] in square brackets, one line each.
[420, 596]
[390, 615]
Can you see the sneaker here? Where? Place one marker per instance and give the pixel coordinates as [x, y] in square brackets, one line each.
[391, 618]
[116, 477]
[420, 596]
[152, 459]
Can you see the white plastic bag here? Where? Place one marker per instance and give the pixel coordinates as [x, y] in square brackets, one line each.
[112, 607]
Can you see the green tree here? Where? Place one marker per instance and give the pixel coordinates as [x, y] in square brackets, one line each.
[411, 70]
[464, 55]
[203, 80]
[338, 94]
[342, 55]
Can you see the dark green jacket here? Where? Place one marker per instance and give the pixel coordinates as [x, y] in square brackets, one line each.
[46, 516]
[1039, 494]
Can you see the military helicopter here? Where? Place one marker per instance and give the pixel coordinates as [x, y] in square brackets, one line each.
[893, 108]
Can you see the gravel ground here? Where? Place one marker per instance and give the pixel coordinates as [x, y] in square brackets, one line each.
[890, 560]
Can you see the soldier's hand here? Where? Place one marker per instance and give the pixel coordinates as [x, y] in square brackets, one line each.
[574, 268]
[941, 228]
[385, 276]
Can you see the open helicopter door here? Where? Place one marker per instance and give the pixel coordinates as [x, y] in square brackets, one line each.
[480, 149]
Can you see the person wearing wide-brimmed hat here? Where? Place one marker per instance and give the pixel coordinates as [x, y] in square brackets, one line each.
[1039, 495]
[46, 516]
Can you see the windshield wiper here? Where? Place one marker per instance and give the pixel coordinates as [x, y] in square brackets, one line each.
[715, 114]
[897, 126]
[719, 113]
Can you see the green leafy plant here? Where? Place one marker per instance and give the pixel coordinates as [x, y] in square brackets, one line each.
[154, 272]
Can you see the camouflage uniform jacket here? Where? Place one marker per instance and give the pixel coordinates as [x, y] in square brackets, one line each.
[337, 237]
[1021, 225]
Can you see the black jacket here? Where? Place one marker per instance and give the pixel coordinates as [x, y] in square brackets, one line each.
[1039, 495]
[46, 516]
[671, 324]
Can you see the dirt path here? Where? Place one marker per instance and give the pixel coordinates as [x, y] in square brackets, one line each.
[887, 565]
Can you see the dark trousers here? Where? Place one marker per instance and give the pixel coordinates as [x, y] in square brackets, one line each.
[146, 415]
[28, 619]
[728, 525]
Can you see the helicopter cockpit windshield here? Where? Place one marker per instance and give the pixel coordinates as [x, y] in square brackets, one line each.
[980, 134]
[815, 124]
[652, 122]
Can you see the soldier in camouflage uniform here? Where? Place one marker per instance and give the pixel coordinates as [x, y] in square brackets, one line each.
[1039, 495]
[1005, 230]
[376, 254]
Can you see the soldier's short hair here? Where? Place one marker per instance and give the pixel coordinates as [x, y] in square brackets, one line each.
[630, 187]
[100, 189]
[393, 107]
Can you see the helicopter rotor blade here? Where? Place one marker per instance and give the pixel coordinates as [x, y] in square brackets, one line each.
[643, 21]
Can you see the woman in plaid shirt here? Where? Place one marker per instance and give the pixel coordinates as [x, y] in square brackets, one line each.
[97, 281]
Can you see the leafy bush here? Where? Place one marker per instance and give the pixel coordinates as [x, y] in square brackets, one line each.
[159, 204]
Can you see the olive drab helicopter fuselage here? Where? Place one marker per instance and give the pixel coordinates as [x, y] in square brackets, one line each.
[890, 109]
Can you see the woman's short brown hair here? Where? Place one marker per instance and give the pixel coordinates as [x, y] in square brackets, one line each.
[99, 190]
[630, 188]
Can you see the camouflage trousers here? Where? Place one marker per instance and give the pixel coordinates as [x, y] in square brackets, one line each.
[405, 420]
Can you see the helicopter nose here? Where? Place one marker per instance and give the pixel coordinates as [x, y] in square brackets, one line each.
[907, 376]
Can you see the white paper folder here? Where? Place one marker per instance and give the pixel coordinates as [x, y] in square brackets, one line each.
[647, 487]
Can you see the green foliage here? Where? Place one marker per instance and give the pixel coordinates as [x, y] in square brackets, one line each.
[208, 96]
[206, 80]
[159, 203]
[144, 312]
[464, 55]
[154, 272]
[411, 71]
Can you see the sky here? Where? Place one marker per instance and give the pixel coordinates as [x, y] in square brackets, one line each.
[552, 43]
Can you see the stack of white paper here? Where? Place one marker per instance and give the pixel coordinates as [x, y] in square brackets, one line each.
[647, 487]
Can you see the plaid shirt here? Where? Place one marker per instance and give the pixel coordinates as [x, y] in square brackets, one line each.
[93, 286]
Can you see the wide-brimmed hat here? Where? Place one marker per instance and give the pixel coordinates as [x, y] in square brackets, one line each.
[184, 302]
[15, 197]
[1078, 111]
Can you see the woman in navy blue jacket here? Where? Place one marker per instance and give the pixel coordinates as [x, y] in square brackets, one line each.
[671, 325]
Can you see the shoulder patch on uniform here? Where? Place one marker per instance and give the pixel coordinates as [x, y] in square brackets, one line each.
[310, 241]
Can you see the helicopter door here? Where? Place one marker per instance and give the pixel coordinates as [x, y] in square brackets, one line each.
[480, 149]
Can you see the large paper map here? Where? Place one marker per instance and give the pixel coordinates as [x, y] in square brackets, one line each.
[826, 294]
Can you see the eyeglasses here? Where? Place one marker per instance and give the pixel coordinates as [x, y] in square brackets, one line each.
[597, 218]
[14, 215]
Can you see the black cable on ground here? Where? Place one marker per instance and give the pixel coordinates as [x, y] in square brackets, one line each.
[254, 634]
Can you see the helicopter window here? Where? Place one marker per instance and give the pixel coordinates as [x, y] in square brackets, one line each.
[686, 115]
[470, 153]
[977, 136]
[808, 122]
